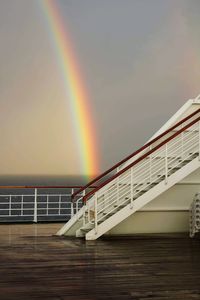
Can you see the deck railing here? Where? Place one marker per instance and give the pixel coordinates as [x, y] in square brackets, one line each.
[37, 203]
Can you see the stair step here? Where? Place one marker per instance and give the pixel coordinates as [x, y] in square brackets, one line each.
[87, 227]
[160, 178]
[116, 208]
[148, 187]
[109, 214]
[121, 205]
[174, 168]
[84, 230]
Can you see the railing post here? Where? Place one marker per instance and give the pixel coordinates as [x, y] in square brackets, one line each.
[59, 204]
[84, 215]
[77, 202]
[117, 190]
[22, 205]
[72, 209]
[72, 204]
[89, 212]
[84, 209]
[118, 169]
[77, 206]
[35, 207]
[131, 187]
[166, 165]
[150, 165]
[182, 141]
[95, 214]
[10, 199]
[47, 205]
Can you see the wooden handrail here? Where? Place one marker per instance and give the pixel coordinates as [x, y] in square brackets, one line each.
[140, 159]
[134, 154]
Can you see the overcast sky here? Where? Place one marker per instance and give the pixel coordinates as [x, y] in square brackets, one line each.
[140, 60]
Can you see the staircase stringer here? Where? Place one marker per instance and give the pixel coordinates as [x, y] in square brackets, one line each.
[147, 197]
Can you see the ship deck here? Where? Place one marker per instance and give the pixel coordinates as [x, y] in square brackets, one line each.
[36, 264]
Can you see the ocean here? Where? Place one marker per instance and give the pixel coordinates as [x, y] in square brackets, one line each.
[43, 180]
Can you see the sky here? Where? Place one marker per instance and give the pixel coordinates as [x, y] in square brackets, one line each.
[139, 60]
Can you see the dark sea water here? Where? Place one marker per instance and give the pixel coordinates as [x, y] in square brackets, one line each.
[43, 180]
[28, 180]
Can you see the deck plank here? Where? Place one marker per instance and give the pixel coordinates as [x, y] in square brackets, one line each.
[35, 264]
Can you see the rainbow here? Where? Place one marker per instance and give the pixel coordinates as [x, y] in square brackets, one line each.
[85, 133]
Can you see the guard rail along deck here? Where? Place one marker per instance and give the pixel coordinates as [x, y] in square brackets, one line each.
[136, 180]
[37, 203]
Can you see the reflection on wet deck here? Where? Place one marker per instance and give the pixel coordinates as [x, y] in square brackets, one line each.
[35, 264]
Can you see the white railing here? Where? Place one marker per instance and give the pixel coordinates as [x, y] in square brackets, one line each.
[38, 206]
[138, 179]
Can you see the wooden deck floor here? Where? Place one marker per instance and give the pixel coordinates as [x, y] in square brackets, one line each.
[36, 265]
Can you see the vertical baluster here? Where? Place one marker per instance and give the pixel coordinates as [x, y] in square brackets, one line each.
[95, 213]
[131, 187]
[10, 201]
[166, 165]
[118, 191]
[89, 209]
[84, 193]
[47, 205]
[85, 204]
[84, 215]
[59, 204]
[22, 205]
[72, 209]
[117, 180]
[150, 165]
[72, 203]
[35, 207]
[77, 205]
[182, 143]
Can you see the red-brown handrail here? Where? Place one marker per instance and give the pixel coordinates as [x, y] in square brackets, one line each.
[134, 154]
[140, 158]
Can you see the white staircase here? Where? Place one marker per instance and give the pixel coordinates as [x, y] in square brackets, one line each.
[146, 174]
